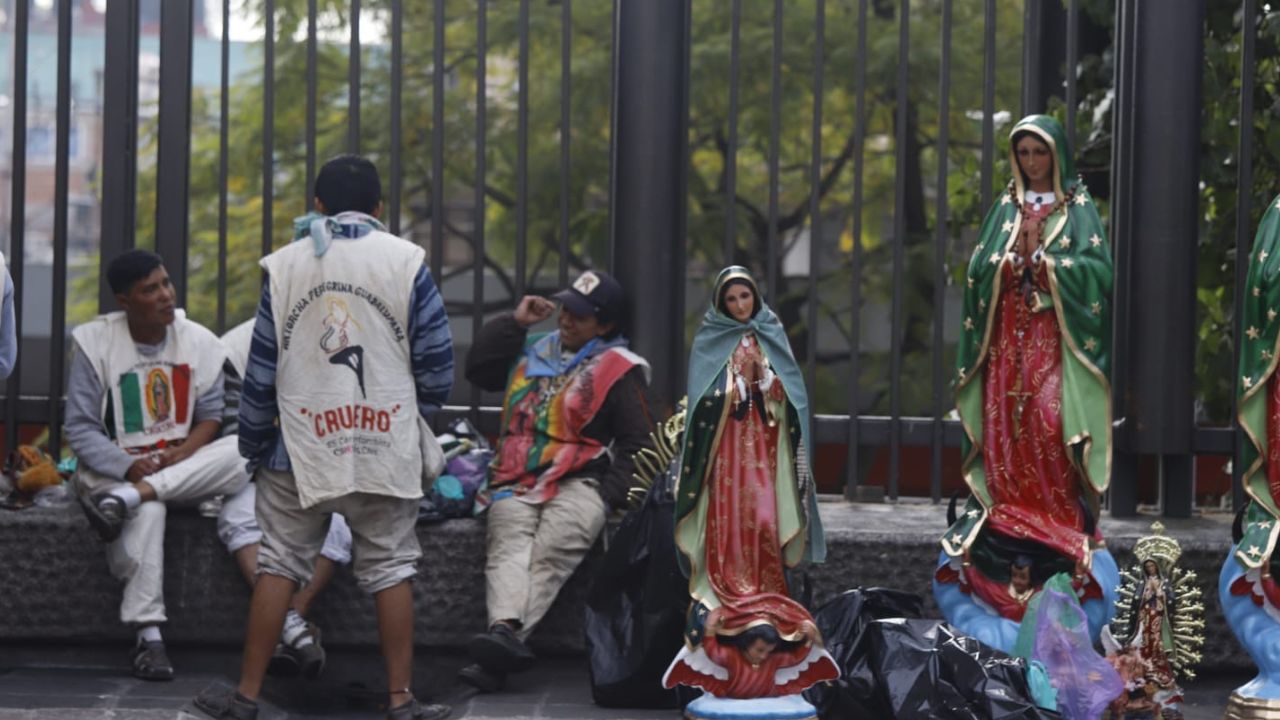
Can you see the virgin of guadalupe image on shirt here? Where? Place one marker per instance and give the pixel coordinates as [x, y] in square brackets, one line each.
[158, 395]
[336, 340]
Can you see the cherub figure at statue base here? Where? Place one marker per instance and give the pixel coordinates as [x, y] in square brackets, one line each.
[1254, 618]
[998, 627]
[748, 669]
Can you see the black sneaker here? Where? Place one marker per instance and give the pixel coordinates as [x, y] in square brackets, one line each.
[106, 514]
[500, 651]
[223, 704]
[414, 710]
[483, 680]
[308, 655]
[151, 662]
[284, 663]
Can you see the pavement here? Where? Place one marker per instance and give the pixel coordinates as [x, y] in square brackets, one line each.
[91, 682]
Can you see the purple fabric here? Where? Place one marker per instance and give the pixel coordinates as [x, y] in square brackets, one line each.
[1085, 681]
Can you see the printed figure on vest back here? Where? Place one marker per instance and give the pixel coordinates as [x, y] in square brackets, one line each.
[145, 400]
[346, 303]
[1033, 397]
[1247, 585]
[746, 507]
[573, 416]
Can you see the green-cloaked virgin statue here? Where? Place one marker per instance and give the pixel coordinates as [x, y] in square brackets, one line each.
[1033, 395]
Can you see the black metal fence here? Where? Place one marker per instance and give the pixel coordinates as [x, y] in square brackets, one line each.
[659, 139]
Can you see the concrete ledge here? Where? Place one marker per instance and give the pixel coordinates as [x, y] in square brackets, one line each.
[54, 582]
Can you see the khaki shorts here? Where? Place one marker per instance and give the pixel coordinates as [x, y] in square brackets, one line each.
[384, 544]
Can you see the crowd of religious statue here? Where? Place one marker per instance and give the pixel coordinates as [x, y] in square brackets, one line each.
[329, 451]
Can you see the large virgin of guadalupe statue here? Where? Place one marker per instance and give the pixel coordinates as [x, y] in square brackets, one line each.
[745, 508]
[1248, 587]
[1034, 398]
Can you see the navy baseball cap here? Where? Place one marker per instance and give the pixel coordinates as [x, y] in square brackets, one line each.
[593, 293]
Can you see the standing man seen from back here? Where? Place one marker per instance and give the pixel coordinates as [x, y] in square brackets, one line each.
[351, 352]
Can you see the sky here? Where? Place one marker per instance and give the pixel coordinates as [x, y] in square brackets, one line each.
[246, 26]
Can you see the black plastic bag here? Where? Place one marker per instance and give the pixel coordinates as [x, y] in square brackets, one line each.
[894, 665]
[636, 609]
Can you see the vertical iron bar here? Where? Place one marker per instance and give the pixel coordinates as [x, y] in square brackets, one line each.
[1244, 186]
[268, 122]
[680, 251]
[611, 251]
[988, 99]
[353, 82]
[853, 459]
[119, 139]
[223, 112]
[1032, 24]
[17, 212]
[815, 205]
[309, 201]
[477, 232]
[174, 140]
[940, 212]
[437, 145]
[775, 128]
[896, 321]
[61, 184]
[1073, 59]
[731, 154]
[522, 154]
[566, 67]
[1122, 497]
[397, 63]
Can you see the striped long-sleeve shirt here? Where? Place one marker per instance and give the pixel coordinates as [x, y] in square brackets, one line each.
[431, 354]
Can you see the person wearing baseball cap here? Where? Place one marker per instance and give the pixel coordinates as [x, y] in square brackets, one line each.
[574, 416]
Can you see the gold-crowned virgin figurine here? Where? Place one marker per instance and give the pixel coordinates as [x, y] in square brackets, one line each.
[1158, 630]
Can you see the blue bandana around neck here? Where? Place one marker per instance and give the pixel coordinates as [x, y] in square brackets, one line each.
[546, 357]
[322, 229]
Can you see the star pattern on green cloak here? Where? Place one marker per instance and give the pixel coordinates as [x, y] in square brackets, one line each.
[1082, 199]
[982, 304]
[1007, 226]
[1067, 262]
[1265, 525]
[1096, 308]
[972, 514]
[968, 323]
[1095, 241]
[969, 282]
[1278, 203]
[1252, 332]
[1090, 344]
[995, 258]
[1064, 242]
[1248, 382]
[1254, 551]
[1257, 292]
[1262, 256]
[1266, 354]
[1271, 314]
[1005, 200]
[957, 538]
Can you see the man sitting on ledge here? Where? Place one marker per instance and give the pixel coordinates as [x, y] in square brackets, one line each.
[144, 410]
[573, 417]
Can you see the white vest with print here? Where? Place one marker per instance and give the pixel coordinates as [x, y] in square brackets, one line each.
[344, 378]
[150, 400]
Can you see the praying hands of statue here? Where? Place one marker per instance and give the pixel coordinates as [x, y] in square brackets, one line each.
[1029, 232]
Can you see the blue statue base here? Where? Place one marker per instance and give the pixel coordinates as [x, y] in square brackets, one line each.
[981, 623]
[1259, 632]
[788, 707]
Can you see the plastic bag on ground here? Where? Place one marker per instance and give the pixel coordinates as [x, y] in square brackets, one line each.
[636, 607]
[894, 665]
